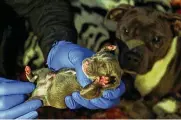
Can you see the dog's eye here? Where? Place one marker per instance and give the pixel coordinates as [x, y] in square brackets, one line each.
[156, 41]
[125, 30]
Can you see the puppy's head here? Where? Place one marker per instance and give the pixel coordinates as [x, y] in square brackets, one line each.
[103, 66]
[144, 35]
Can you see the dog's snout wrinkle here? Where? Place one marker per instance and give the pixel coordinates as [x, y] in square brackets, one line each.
[134, 43]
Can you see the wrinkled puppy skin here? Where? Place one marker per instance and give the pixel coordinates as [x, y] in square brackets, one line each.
[52, 87]
[149, 45]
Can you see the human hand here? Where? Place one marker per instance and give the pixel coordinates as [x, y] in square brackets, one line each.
[66, 54]
[12, 97]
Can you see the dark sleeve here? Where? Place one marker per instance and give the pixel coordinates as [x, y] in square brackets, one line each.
[51, 20]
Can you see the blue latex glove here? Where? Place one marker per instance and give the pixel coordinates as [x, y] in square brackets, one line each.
[12, 97]
[66, 54]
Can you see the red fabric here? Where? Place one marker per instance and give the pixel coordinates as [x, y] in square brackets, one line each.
[179, 11]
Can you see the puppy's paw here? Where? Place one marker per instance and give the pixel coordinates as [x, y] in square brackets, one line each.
[29, 74]
[27, 70]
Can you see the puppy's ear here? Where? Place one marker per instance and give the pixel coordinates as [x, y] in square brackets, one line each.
[175, 20]
[116, 13]
[108, 48]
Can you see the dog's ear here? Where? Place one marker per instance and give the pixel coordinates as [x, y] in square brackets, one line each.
[116, 13]
[175, 20]
[177, 27]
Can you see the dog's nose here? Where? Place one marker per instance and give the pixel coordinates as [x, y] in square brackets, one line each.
[132, 59]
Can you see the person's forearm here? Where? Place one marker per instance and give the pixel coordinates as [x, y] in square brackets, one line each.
[51, 20]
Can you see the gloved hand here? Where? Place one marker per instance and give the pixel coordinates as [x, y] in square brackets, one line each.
[12, 97]
[67, 54]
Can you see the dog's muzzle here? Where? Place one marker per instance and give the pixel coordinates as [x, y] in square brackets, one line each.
[131, 58]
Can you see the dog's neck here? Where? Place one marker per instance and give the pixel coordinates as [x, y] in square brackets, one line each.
[149, 81]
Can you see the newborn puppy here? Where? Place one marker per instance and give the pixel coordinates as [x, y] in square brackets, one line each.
[149, 47]
[52, 87]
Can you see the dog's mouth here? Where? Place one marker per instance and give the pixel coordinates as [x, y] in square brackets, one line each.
[132, 56]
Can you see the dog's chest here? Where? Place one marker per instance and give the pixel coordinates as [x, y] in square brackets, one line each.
[161, 78]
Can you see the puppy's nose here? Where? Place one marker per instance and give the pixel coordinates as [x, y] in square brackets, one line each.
[132, 59]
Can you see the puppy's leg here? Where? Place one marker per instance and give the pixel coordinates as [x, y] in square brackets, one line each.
[91, 91]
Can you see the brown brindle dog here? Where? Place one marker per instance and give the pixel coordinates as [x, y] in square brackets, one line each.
[148, 47]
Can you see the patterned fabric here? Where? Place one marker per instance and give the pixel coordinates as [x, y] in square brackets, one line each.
[89, 19]
[32, 52]
[89, 23]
